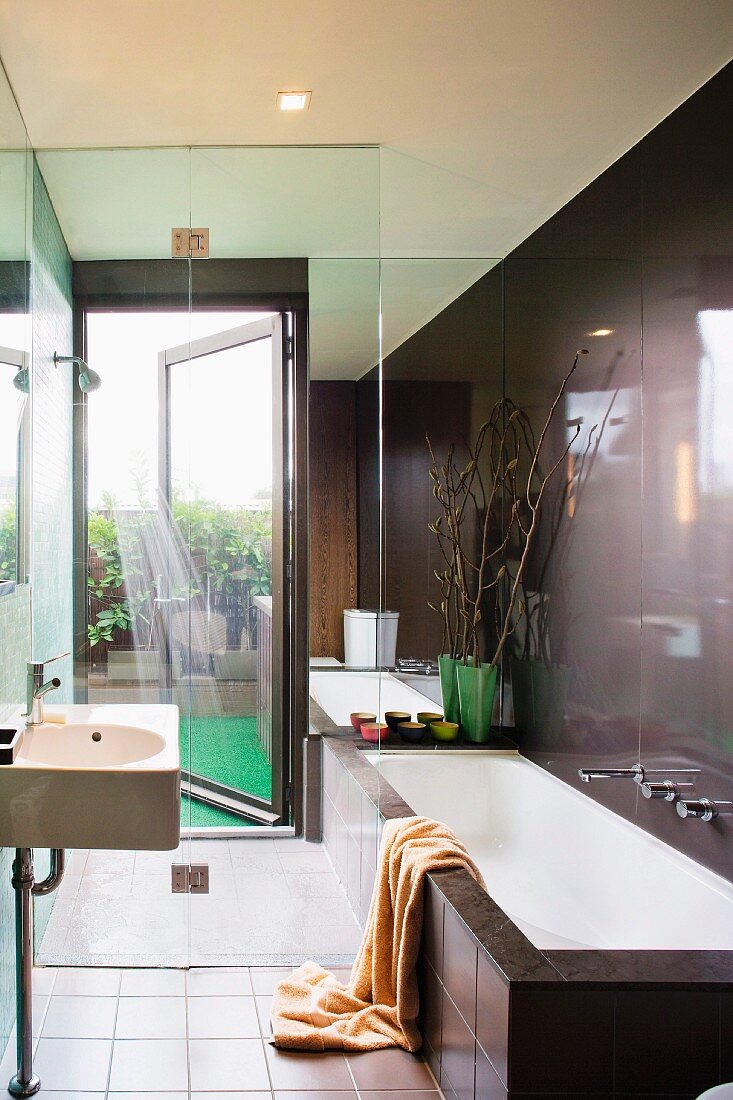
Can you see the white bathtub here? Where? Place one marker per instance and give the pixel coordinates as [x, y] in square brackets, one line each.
[570, 873]
[341, 693]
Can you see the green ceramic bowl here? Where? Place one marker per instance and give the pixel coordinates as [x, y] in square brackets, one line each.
[444, 731]
[428, 716]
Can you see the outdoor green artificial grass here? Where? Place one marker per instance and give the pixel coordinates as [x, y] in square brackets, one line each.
[225, 749]
[203, 815]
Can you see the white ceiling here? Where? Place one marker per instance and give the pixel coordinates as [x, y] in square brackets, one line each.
[498, 111]
[490, 115]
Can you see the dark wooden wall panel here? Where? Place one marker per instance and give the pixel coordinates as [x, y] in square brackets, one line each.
[333, 514]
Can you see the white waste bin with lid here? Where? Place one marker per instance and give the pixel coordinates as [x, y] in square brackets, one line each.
[364, 646]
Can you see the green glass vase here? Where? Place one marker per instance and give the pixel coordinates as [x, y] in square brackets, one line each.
[449, 688]
[476, 690]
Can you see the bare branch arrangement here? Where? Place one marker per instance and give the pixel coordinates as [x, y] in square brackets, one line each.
[498, 495]
[550, 585]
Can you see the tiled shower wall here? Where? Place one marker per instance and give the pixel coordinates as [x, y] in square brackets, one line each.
[46, 629]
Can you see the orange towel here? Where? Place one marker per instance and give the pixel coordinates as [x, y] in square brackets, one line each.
[378, 1007]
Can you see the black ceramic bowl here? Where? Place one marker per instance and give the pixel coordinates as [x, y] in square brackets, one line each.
[394, 717]
[412, 732]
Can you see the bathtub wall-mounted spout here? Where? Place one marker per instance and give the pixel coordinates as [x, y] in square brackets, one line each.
[636, 773]
[639, 774]
[704, 809]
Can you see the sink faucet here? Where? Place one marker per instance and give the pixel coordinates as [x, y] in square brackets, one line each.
[36, 689]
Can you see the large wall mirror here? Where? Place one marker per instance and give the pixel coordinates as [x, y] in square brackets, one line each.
[14, 343]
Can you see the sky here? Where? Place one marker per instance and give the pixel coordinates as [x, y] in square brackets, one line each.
[221, 409]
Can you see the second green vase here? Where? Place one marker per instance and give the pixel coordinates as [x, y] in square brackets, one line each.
[476, 690]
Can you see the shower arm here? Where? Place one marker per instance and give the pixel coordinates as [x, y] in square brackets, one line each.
[70, 359]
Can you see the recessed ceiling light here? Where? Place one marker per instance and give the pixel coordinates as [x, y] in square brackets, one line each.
[601, 332]
[293, 101]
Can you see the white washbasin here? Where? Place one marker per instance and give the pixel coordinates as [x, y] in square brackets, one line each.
[84, 745]
[108, 778]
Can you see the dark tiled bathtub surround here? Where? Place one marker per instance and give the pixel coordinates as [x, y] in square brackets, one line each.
[502, 1019]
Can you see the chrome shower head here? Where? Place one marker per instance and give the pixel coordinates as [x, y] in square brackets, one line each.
[22, 380]
[89, 380]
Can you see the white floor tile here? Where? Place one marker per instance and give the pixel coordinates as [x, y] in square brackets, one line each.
[137, 1096]
[80, 1018]
[148, 1065]
[209, 850]
[153, 983]
[294, 844]
[103, 862]
[110, 886]
[41, 1002]
[69, 886]
[305, 862]
[53, 1095]
[43, 979]
[264, 1012]
[87, 982]
[151, 886]
[271, 886]
[231, 1096]
[151, 1018]
[228, 1064]
[265, 895]
[218, 982]
[250, 863]
[317, 884]
[222, 1018]
[259, 844]
[67, 1064]
[77, 861]
[264, 979]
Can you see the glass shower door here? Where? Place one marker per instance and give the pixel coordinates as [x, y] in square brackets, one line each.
[225, 475]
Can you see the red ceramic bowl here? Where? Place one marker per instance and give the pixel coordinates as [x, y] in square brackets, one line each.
[360, 716]
[375, 732]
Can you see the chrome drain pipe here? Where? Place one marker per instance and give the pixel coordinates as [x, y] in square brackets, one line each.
[26, 1082]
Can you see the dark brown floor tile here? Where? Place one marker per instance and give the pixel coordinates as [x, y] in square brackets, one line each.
[458, 1053]
[561, 1041]
[667, 1041]
[460, 952]
[389, 1069]
[307, 1072]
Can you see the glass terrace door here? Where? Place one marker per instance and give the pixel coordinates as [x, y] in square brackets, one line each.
[223, 597]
